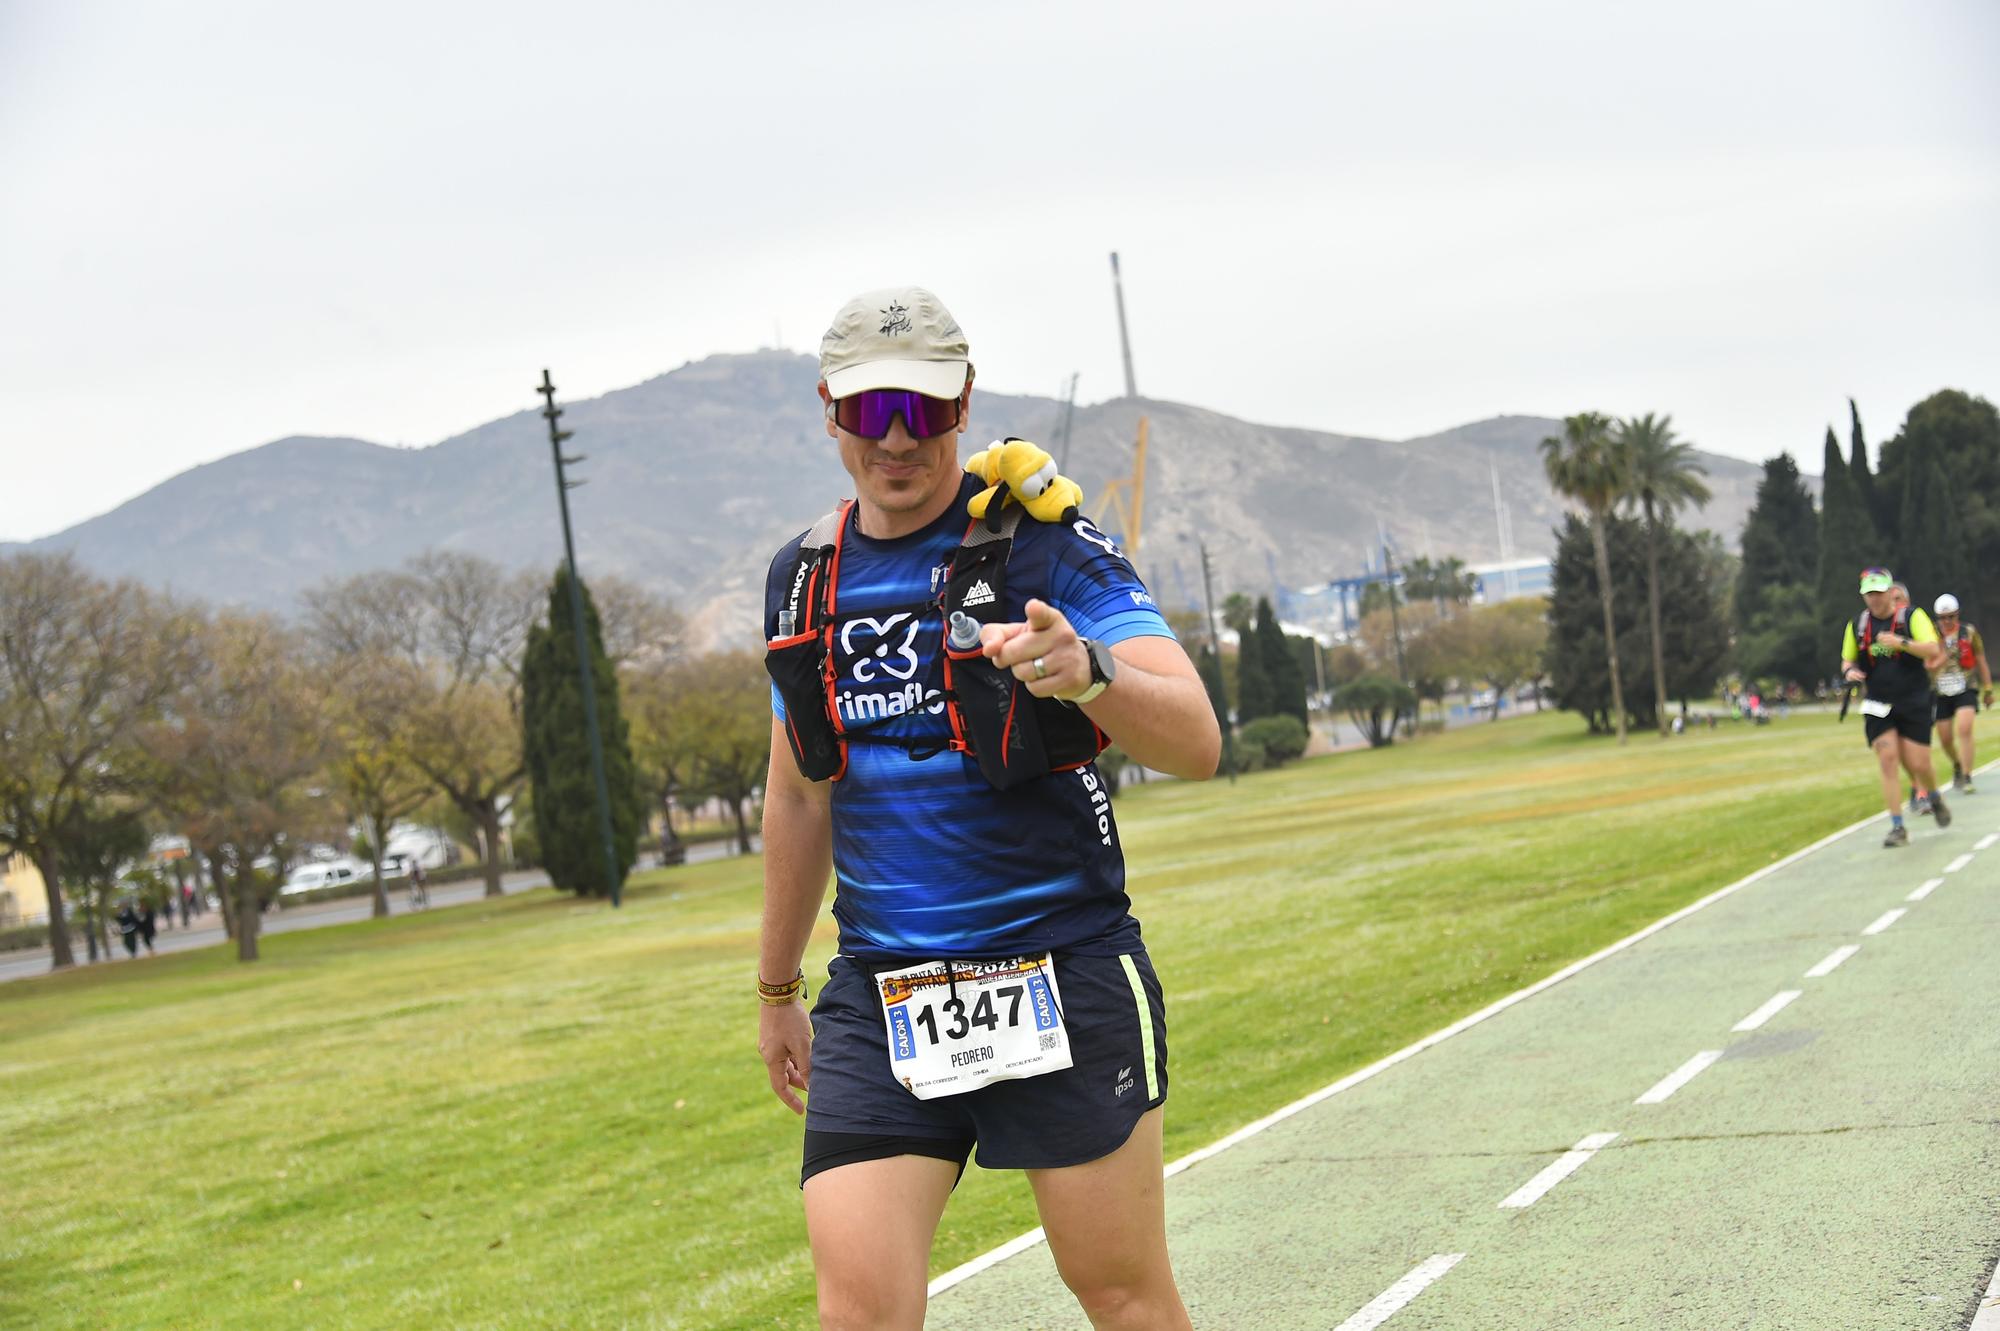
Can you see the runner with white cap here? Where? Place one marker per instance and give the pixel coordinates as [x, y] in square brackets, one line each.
[1951, 681]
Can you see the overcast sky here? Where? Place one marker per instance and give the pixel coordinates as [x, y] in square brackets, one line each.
[223, 224]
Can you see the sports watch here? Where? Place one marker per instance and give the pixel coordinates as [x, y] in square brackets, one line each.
[1103, 669]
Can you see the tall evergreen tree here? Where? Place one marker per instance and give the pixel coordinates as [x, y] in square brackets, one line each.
[1962, 434]
[1210, 669]
[1930, 557]
[557, 744]
[1847, 542]
[1254, 697]
[1780, 539]
[1881, 507]
[1281, 665]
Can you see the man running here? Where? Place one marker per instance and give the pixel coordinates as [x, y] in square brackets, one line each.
[1961, 651]
[1890, 649]
[941, 689]
[1920, 798]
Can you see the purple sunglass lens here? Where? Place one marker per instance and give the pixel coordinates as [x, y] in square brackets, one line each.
[869, 414]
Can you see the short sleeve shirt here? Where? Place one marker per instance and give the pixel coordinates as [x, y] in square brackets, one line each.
[930, 860]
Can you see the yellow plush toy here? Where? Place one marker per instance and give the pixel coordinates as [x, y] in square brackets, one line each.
[1027, 475]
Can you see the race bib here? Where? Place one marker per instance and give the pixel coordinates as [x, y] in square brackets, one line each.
[954, 1026]
[1874, 707]
[1951, 683]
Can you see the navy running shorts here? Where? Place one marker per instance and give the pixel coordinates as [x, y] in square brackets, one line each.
[857, 1110]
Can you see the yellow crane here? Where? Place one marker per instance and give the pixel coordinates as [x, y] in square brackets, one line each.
[1121, 508]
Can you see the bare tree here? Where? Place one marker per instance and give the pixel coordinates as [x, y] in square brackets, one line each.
[236, 756]
[84, 666]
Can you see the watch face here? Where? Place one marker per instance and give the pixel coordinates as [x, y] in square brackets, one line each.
[1102, 667]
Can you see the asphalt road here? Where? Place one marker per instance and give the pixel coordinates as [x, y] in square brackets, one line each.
[1781, 1111]
[206, 931]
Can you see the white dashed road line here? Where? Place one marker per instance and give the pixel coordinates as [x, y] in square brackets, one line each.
[1986, 842]
[1574, 1159]
[1833, 960]
[1769, 1010]
[1959, 863]
[1928, 886]
[1393, 1299]
[1679, 1077]
[1887, 918]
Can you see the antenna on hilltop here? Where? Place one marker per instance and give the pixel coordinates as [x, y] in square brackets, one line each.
[1124, 340]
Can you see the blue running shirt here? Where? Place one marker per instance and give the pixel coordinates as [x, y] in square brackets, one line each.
[930, 860]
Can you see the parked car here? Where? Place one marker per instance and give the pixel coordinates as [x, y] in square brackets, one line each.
[313, 877]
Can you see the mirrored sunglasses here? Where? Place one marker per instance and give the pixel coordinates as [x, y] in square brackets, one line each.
[868, 415]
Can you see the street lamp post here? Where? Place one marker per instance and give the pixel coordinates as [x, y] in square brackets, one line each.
[563, 486]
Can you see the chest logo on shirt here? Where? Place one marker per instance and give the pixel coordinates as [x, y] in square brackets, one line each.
[877, 636]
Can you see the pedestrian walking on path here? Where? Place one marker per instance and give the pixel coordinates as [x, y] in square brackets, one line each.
[943, 686]
[1889, 649]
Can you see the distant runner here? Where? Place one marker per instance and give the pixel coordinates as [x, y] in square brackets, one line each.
[1889, 650]
[1962, 652]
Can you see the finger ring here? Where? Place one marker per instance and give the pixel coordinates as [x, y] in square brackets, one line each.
[1041, 670]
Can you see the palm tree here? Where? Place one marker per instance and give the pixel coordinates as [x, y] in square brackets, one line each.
[1586, 464]
[1661, 479]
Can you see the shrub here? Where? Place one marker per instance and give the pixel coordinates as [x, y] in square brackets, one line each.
[1282, 737]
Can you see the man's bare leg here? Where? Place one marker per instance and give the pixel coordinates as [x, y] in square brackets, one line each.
[1106, 1223]
[871, 1225]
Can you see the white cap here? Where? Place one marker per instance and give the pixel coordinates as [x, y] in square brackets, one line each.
[899, 337]
[1946, 605]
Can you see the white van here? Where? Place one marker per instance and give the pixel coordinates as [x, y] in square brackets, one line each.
[312, 877]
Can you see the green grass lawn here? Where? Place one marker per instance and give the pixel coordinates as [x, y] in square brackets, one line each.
[537, 1113]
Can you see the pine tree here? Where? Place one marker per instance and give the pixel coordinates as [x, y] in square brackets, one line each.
[1847, 542]
[1281, 665]
[1210, 669]
[557, 744]
[1780, 539]
[1253, 678]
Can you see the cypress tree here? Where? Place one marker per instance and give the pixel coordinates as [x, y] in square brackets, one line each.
[1281, 666]
[1780, 540]
[557, 744]
[1253, 678]
[1210, 669]
[1879, 506]
[1847, 541]
[1930, 558]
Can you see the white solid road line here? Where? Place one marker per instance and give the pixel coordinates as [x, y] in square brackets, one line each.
[1928, 886]
[1392, 1300]
[1986, 842]
[1679, 1077]
[1574, 1159]
[1887, 918]
[1959, 863]
[1833, 959]
[1768, 1011]
[1988, 1316]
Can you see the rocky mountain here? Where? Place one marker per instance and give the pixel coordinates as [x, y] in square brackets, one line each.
[696, 476]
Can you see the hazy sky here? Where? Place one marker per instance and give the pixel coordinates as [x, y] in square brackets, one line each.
[222, 224]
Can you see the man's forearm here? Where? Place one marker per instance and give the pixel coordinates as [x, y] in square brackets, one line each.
[1164, 721]
[798, 861]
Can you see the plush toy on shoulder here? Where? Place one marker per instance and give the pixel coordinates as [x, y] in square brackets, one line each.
[1022, 473]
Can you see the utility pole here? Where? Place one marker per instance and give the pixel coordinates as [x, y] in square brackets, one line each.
[1215, 645]
[1069, 414]
[1395, 619]
[563, 486]
[1124, 342]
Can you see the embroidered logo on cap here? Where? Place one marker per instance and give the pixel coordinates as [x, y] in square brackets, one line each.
[896, 320]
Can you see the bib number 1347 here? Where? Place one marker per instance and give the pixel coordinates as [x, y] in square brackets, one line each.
[954, 1026]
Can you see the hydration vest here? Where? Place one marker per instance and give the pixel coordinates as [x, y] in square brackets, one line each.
[1965, 657]
[1864, 633]
[1013, 735]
